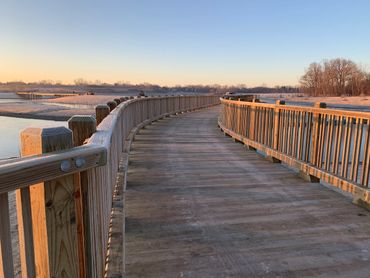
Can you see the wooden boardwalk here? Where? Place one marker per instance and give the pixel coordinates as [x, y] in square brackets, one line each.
[200, 205]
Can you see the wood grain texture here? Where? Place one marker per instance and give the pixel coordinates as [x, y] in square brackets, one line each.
[53, 208]
[34, 169]
[203, 206]
[83, 127]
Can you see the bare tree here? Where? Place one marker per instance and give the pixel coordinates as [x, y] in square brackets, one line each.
[334, 78]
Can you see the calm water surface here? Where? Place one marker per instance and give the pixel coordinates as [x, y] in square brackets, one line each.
[9, 133]
[10, 127]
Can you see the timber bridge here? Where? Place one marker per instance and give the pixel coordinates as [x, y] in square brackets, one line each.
[145, 189]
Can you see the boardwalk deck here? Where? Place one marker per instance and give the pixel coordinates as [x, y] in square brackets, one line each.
[200, 205]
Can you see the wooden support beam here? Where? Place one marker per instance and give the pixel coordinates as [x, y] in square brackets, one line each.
[250, 148]
[273, 159]
[307, 177]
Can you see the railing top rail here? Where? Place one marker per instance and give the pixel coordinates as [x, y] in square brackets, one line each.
[34, 169]
[24, 171]
[327, 111]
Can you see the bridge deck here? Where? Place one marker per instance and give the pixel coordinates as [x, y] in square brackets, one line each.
[200, 205]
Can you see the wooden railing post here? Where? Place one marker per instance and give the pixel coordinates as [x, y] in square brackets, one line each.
[276, 127]
[276, 123]
[112, 104]
[314, 139]
[52, 207]
[82, 128]
[252, 121]
[315, 132]
[101, 111]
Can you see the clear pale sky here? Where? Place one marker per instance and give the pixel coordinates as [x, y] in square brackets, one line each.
[178, 42]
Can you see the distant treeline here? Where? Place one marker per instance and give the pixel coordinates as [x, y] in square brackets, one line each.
[147, 88]
[337, 77]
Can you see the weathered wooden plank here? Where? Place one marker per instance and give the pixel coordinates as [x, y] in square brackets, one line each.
[205, 207]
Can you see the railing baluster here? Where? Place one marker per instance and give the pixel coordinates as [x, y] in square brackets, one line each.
[25, 232]
[366, 157]
[355, 150]
[6, 257]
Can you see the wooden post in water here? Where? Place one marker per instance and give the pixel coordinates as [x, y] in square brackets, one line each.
[52, 207]
[82, 126]
[101, 111]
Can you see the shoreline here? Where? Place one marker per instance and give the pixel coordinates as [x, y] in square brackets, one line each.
[59, 118]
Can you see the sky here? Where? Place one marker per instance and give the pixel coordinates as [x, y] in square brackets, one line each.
[171, 42]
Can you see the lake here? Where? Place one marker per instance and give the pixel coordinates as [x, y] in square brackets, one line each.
[10, 127]
[9, 133]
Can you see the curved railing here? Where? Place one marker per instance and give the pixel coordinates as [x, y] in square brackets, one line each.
[324, 144]
[65, 185]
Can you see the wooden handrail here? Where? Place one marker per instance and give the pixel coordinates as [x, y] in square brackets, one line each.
[324, 144]
[328, 111]
[60, 215]
[34, 169]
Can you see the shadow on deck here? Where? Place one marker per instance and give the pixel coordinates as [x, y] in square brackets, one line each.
[200, 205]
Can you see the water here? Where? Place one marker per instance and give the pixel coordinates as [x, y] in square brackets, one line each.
[9, 97]
[9, 133]
[71, 105]
[329, 105]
